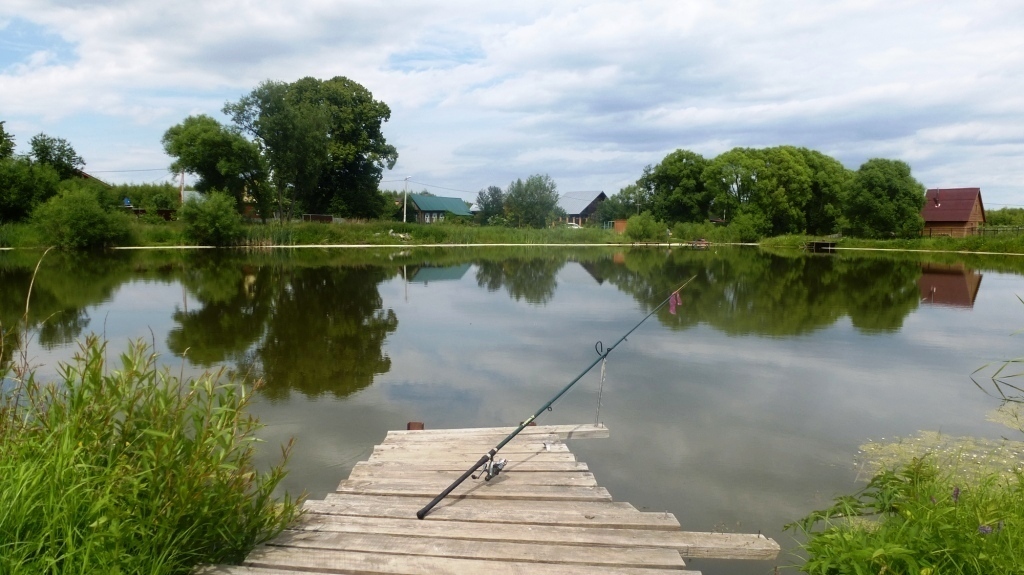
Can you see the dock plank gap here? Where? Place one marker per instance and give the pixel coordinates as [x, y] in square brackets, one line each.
[544, 514]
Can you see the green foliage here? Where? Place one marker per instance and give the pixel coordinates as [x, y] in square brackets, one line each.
[6, 143]
[75, 219]
[687, 232]
[491, 203]
[56, 153]
[923, 521]
[617, 207]
[829, 180]
[221, 157]
[130, 470]
[884, 200]
[533, 203]
[1004, 217]
[211, 221]
[645, 228]
[677, 188]
[322, 141]
[25, 185]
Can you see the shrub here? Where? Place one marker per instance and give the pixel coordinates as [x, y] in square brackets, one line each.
[644, 228]
[24, 185]
[212, 221]
[74, 219]
[129, 471]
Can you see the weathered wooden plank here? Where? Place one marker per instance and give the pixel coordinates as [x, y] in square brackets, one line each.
[427, 448]
[378, 563]
[495, 489]
[240, 570]
[569, 513]
[623, 506]
[577, 431]
[467, 459]
[688, 544]
[489, 440]
[463, 549]
[437, 477]
[517, 465]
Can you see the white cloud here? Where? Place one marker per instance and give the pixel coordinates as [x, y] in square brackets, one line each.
[588, 92]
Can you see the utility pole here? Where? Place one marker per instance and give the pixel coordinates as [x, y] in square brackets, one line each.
[405, 199]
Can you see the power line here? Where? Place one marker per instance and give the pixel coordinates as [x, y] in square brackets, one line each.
[125, 171]
[441, 187]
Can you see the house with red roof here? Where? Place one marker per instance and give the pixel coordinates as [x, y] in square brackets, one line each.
[954, 212]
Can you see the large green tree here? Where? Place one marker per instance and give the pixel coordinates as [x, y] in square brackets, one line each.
[56, 153]
[222, 159]
[677, 189]
[884, 200]
[323, 142]
[532, 203]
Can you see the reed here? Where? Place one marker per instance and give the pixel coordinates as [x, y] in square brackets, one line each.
[130, 470]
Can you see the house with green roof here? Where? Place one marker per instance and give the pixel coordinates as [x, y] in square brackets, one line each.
[430, 209]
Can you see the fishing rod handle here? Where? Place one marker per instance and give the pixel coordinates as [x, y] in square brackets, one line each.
[423, 512]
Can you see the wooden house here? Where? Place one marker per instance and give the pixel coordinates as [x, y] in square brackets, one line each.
[430, 209]
[955, 212]
[579, 206]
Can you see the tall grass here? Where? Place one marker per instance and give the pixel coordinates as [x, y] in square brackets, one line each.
[398, 233]
[920, 520]
[130, 470]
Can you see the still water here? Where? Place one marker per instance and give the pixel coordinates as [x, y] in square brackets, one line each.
[740, 409]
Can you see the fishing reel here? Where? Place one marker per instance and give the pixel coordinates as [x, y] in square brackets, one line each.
[492, 468]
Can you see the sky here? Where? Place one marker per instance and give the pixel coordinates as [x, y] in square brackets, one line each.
[587, 92]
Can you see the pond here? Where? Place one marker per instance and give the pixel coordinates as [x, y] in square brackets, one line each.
[740, 408]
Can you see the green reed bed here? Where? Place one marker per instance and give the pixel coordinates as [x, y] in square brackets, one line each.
[398, 233]
[129, 470]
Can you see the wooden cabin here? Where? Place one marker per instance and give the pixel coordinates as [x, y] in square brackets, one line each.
[954, 212]
[579, 206]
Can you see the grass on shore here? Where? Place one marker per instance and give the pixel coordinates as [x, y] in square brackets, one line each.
[920, 519]
[130, 470]
[1003, 244]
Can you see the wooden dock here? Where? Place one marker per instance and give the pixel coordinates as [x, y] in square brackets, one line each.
[544, 514]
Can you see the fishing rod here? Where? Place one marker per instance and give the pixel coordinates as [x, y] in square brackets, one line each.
[492, 467]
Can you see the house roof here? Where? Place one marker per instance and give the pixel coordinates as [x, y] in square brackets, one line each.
[575, 202]
[951, 204]
[427, 274]
[439, 204]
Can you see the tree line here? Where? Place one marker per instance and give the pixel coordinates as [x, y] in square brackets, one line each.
[317, 146]
[775, 191]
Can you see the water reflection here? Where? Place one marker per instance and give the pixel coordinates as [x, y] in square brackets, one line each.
[65, 287]
[315, 330]
[315, 322]
[524, 277]
[743, 293]
[948, 285]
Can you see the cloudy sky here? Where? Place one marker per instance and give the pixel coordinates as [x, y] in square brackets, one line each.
[587, 92]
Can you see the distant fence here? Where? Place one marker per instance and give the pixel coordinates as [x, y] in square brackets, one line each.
[322, 218]
[985, 231]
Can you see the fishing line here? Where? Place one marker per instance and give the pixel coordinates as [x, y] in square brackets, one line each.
[493, 467]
